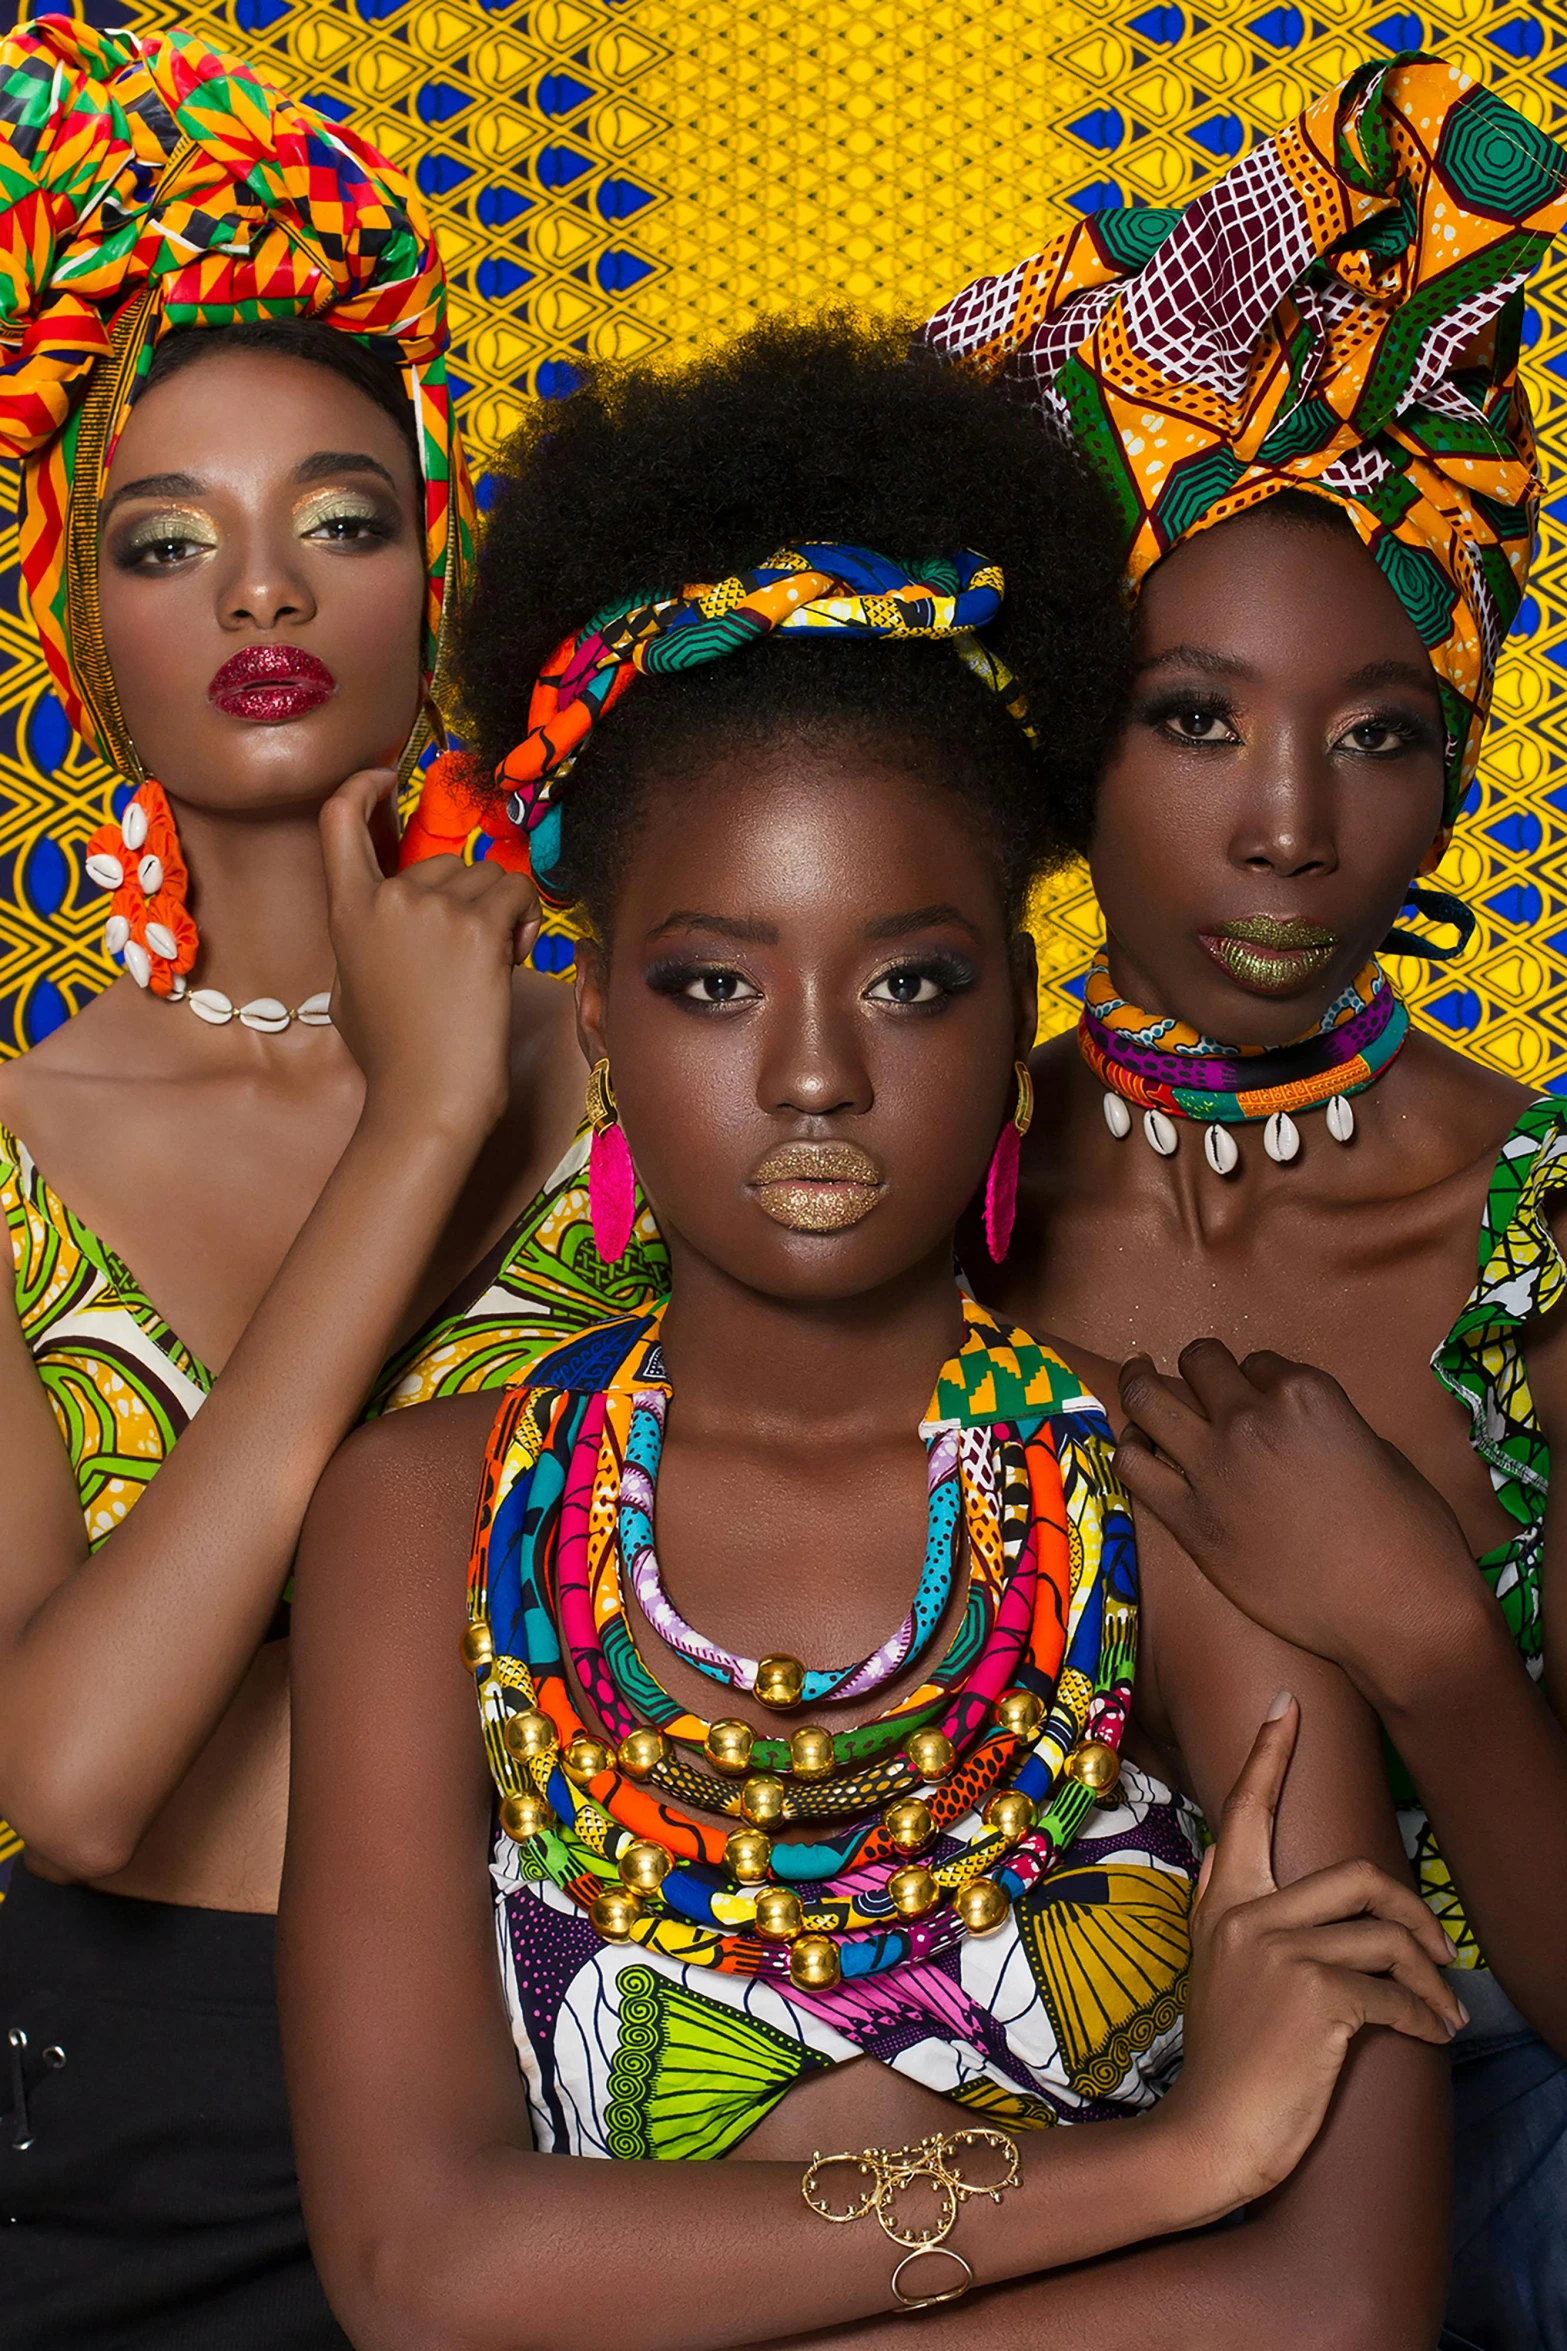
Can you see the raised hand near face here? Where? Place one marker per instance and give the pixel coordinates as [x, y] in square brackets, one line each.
[1291, 1505]
[424, 962]
[1282, 1981]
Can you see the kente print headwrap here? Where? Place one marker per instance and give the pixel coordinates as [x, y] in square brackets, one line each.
[1338, 314]
[148, 184]
[844, 591]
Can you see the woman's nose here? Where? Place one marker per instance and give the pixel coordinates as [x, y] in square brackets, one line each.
[264, 586]
[814, 1064]
[1287, 824]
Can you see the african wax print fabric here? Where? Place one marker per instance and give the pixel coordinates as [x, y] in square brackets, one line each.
[148, 184]
[1338, 314]
[814, 588]
[678, 2041]
[1481, 1361]
[123, 1385]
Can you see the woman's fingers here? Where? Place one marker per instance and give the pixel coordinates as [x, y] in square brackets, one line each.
[1358, 1889]
[1379, 1947]
[353, 869]
[1243, 1858]
[1218, 1382]
[1158, 1485]
[1160, 1408]
[1386, 2002]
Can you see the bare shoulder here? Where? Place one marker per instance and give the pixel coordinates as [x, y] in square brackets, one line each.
[392, 1517]
[1478, 1107]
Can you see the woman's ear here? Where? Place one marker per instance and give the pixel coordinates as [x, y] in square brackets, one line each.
[590, 989]
[1025, 985]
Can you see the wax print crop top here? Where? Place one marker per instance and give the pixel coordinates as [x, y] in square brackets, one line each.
[123, 1386]
[1521, 1276]
[679, 2040]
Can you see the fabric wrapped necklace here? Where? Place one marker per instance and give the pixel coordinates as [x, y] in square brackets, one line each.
[938, 1813]
[1162, 1066]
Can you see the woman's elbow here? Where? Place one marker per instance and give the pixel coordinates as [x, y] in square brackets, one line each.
[400, 2290]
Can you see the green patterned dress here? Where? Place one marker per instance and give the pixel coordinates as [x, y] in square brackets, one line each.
[123, 1386]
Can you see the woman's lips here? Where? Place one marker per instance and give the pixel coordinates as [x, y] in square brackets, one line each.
[817, 1187]
[267, 684]
[1268, 956]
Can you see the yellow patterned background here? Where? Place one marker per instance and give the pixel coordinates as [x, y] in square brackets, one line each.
[621, 177]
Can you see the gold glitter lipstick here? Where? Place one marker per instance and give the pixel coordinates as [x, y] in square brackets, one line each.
[1270, 956]
[817, 1187]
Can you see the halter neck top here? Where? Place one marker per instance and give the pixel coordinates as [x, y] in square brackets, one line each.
[677, 2042]
[123, 1385]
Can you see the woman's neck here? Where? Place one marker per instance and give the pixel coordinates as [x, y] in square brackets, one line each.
[258, 894]
[763, 1368]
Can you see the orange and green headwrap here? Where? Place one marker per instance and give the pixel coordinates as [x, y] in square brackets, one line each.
[147, 184]
[1339, 314]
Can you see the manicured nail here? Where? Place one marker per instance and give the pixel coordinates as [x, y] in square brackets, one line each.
[1463, 2012]
[1452, 1950]
[1281, 1705]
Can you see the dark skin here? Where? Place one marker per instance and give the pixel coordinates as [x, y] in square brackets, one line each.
[812, 946]
[293, 1205]
[1284, 758]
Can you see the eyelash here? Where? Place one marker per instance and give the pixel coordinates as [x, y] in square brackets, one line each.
[952, 975]
[1410, 733]
[168, 549]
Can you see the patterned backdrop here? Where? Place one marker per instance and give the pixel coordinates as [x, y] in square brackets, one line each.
[620, 177]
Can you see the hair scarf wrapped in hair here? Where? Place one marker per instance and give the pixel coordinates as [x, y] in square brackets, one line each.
[1339, 314]
[840, 590]
[150, 184]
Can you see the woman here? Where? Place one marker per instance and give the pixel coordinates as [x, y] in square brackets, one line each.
[745, 1904]
[244, 521]
[1325, 468]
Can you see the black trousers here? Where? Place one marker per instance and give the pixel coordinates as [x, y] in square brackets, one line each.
[147, 2192]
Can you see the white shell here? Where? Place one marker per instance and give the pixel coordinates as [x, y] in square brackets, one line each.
[266, 1014]
[1160, 1133]
[177, 990]
[1341, 1118]
[133, 825]
[1117, 1117]
[316, 1011]
[212, 1006]
[162, 941]
[136, 962]
[1281, 1137]
[1219, 1145]
[106, 871]
[150, 873]
[115, 933]
[515, 810]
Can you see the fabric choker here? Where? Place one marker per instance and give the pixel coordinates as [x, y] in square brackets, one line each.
[1164, 1068]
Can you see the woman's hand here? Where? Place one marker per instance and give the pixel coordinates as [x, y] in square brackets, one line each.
[1300, 1514]
[1282, 1982]
[424, 965]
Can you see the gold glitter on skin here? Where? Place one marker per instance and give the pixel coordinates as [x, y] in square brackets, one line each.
[817, 1187]
[1270, 956]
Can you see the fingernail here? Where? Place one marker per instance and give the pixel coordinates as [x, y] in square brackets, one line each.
[1452, 1950]
[1281, 1705]
[1463, 2012]
[1452, 2029]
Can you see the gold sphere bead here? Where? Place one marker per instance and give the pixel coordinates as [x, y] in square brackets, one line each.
[525, 1816]
[641, 1752]
[780, 1682]
[1011, 1815]
[614, 1913]
[779, 1917]
[811, 1753]
[749, 1855]
[814, 1964]
[909, 1824]
[913, 1891]
[762, 1800]
[1094, 1765]
[477, 1647]
[1021, 1712]
[585, 1759]
[931, 1753]
[981, 1905]
[729, 1745]
[644, 1866]
[529, 1735]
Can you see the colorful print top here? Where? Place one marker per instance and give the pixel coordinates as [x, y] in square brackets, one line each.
[1481, 1362]
[123, 1386]
[679, 2040]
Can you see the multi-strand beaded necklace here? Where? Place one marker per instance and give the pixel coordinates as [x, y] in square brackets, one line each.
[928, 1820]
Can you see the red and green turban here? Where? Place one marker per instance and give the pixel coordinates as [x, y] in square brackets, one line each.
[1339, 314]
[149, 184]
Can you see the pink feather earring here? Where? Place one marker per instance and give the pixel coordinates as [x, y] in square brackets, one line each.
[1001, 1183]
[612, 1187]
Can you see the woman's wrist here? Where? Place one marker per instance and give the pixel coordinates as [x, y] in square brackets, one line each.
[1421, 1654]
[412, 1112]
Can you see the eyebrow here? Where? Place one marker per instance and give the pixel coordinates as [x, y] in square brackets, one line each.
[921, 918]
[1395, 673]
[1203, 657]
[318, 467]
[687, 918]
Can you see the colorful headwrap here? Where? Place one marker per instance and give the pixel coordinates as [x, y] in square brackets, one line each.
[1339, 314]
[149, 184]
[843, 591]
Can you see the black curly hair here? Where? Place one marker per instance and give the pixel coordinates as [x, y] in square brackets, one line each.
[645, 480]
